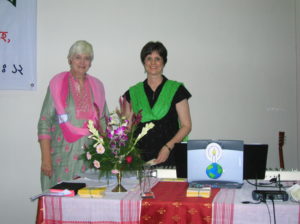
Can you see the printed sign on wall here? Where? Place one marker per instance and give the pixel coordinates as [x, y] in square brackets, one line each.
[18, 45]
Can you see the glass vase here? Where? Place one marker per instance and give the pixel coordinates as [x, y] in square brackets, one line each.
[119, 187]
[145, 177]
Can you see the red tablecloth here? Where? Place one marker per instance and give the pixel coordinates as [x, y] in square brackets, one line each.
[171, 206]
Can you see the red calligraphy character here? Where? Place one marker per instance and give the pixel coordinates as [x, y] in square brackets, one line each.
[4, 36]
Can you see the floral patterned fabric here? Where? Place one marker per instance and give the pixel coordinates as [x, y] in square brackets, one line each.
[170, 205]
[65, 155]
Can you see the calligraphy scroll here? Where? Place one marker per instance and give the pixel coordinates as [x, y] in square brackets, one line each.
[18, 45]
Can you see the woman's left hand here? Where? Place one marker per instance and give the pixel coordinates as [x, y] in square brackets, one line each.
[163, 155]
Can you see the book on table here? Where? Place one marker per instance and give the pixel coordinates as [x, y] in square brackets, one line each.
[71, 188]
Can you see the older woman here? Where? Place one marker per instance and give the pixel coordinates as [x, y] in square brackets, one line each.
[73, 98]
[163, 102]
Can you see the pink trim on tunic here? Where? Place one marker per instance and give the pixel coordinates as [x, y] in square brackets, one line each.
[40, 137]
[59, 89]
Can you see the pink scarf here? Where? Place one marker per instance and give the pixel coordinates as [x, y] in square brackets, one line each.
[59, 88]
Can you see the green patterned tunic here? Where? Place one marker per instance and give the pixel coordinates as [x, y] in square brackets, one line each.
[65, 156]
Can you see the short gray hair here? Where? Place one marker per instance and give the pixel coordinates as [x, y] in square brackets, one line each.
[81, 47]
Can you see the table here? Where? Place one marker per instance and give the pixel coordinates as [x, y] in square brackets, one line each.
[113, 208]
[228, 208]
[169, 206]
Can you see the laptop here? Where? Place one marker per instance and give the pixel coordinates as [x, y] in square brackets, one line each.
[255, 161]
[215, 163]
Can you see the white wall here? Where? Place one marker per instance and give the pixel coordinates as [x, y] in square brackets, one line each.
[237, 58]
[298, 71]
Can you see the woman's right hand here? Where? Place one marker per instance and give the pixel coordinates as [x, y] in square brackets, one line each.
[46, 168]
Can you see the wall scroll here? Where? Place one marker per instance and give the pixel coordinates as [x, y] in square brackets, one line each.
[18, 45]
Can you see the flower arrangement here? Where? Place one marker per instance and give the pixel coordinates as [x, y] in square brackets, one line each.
[115, 150]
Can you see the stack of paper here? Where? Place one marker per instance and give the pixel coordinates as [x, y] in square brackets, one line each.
[203, 192]
[92, 192]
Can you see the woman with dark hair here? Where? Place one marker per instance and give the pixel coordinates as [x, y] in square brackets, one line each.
[73, 98]
[163, 102]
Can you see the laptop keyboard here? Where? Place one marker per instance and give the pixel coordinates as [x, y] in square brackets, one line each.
[200, 184]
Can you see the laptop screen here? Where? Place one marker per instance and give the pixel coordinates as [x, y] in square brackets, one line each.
[215, 161]
[255, 161]
[180, 152]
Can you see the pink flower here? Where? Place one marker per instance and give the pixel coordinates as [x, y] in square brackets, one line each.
[88, 155]
[100, 149]
[67, 148]
[136, 119]
[96, 164]
[75, 157]
[120, 131]
[110, 133]
[58, 160]
[83, 168]
[43, 118]
[67, 170]
[58, 138]
[115, 171]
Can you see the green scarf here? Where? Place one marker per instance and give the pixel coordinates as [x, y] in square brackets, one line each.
[161, 107]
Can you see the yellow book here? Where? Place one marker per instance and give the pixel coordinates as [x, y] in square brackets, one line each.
[198, 192]
[173, 180]
[92, 192]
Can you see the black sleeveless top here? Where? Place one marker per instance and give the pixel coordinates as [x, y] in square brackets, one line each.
[165, 128]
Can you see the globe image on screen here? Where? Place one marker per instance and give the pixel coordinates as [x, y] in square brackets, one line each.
[214, 171]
